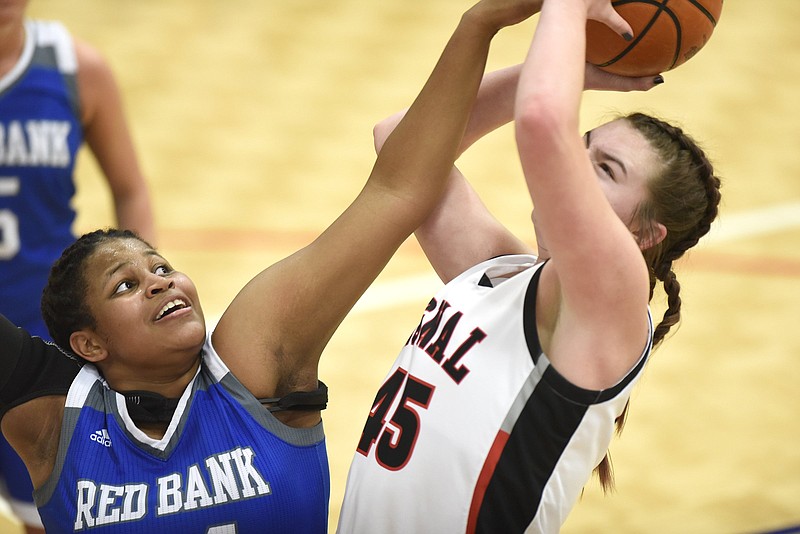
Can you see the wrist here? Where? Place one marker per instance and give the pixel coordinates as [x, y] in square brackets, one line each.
[475, 22]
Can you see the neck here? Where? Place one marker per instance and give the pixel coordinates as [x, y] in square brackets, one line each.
[12, 41]
[165, 382]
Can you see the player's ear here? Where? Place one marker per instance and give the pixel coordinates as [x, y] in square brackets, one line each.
[650, 236]
[86, 344]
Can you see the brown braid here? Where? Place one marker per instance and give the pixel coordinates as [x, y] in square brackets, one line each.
[683, 196]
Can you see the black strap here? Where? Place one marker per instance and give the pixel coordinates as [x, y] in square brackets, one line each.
[148, 407]
[299, 400]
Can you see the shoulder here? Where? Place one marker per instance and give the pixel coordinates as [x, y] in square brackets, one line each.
[592, 346]
[54, 36]
[96, 83]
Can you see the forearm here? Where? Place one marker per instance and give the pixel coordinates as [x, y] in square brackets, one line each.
[134, 212]
[493, 107]
[420, 150]
[552, 77]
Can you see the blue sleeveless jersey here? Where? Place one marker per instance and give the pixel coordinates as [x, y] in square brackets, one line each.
[40, 134]
[225, 464]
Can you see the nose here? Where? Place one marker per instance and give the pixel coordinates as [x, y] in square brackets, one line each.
[158, 284]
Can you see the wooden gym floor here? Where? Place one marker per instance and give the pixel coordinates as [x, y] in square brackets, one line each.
[253, 122]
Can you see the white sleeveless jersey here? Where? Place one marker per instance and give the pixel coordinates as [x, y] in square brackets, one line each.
[473, 430]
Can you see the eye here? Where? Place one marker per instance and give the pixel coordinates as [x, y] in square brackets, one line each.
[162, 270]
[125, 285]
[606, 168]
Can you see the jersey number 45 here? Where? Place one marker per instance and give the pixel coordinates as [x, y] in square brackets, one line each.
[396, 437]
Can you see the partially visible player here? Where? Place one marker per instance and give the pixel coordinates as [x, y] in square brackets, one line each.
[504, 398]
[55, 93]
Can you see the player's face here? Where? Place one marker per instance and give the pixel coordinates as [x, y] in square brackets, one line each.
[623, 160]
[144, 309]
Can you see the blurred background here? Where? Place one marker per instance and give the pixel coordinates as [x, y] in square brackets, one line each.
[253, 122]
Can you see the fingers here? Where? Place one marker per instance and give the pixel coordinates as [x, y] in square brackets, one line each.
[601, 80]
[609, 16]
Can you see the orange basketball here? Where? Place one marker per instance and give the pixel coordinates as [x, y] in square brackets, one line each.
[666, 34]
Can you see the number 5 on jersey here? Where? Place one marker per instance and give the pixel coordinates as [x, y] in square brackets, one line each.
[9, 227]
[395, 440]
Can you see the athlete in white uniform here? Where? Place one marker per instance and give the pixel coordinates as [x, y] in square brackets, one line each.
[475, 409]
[505, 397]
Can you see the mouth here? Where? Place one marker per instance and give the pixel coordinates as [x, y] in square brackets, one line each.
[170, 308]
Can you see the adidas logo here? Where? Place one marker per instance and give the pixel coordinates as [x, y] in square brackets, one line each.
[101, 437]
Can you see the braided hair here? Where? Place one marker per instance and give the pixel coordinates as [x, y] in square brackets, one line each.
[684, 197]
[64, 306]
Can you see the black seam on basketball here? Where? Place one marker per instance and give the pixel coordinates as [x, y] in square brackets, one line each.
[679, 37]
[661, 8]
[704, 11]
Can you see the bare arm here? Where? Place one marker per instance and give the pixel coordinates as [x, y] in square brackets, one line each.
[597, 267]
[461, 231]
[273, 333]
[110, 141]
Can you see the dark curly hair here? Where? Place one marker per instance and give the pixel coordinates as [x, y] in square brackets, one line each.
[64, 307]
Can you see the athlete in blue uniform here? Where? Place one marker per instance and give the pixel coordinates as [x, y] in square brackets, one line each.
[54, 94]
[168, 428]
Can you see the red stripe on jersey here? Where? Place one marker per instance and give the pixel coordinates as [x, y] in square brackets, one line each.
[483, 479]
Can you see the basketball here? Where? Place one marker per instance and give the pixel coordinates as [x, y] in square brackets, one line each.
[666, 34]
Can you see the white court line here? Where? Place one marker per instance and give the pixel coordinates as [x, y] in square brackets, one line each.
[420, 287]
[407, 290]
[727, 228]
[753, 223]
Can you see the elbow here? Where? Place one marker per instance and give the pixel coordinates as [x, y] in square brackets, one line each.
[382, 130]
[379, 135]
[536, 120]
[540, 124]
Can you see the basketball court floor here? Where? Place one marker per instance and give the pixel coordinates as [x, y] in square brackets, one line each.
[253, 121]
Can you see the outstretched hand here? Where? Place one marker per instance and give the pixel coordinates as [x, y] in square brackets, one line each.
[598, 79]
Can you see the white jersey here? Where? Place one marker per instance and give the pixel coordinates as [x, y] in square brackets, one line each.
[473, 430]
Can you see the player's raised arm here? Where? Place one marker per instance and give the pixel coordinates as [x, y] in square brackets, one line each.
[293, 308]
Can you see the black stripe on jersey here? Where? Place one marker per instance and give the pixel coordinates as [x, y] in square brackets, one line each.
[515, 490]
[557, 406]
[529, 316]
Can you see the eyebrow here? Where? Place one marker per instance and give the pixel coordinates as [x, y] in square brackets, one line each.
[605, 155]
[616, 160]
[119, 266]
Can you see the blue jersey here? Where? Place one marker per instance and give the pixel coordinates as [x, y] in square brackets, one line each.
[225, 464]
[40, 134]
